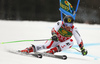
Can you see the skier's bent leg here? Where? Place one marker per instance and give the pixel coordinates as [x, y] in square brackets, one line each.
[66, 44]
[34, 48]
[61, 46]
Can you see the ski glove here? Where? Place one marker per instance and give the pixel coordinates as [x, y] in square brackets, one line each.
[84, 51]
[54, 37]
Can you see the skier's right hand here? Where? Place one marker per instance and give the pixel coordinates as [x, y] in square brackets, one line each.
[84, 51]
[54, 37]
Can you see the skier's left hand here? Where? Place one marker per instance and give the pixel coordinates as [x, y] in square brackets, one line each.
[84, 51]
[54, 37]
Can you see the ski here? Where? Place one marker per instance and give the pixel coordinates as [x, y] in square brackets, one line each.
[39, 54]
[64, 57]
[26, 54]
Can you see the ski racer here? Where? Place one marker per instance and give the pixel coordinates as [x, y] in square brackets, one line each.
[61, 38]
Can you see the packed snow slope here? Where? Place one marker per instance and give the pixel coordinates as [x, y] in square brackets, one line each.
[28, 30]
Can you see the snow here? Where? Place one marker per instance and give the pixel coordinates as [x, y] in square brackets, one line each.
[28, 30]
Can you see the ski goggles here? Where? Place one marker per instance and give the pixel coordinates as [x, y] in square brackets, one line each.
[68, 24]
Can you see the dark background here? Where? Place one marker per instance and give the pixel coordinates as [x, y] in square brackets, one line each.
[48, 10]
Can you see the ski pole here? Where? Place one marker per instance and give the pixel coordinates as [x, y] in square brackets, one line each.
[76, 49]
[24, 41]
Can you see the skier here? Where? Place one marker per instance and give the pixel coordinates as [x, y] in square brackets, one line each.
[61, 38]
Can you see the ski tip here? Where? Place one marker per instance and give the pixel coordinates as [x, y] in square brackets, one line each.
[64, 57]
[39, 55]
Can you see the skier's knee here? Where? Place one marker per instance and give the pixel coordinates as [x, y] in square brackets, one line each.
[59, 49]
[34, 49]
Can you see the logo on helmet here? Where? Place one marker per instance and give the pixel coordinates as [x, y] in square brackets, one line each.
[69, 20]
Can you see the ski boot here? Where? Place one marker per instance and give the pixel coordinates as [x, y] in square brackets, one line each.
[28, 50]
[54, 50]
